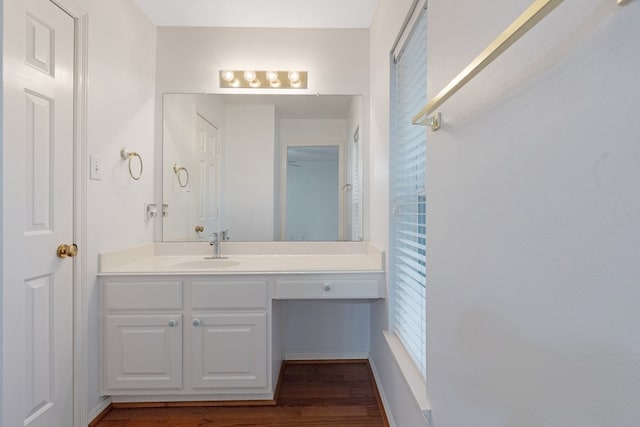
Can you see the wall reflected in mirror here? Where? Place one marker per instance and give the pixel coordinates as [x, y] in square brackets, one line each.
[263, 167]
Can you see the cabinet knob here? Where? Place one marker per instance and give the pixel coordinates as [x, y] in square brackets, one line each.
[326, 287]
[196, 322]
[173, 323]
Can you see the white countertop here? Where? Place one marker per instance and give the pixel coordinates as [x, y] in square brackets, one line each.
[244, 258]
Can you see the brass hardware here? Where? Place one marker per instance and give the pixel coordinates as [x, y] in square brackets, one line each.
[435, 122]
[529, 18]
[65, 251]
[177, 170]
[125, 155]
[199, 229]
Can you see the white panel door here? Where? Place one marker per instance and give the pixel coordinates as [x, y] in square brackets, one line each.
[205, 194]
[143, 352]
[229, 350]
[38, 211]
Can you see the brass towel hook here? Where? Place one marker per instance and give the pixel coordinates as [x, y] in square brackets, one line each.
[124, 154]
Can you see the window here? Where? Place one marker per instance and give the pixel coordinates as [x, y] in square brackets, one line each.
[407, 169]
[356, 207]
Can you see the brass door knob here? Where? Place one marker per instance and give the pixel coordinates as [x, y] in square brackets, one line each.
[199, 229]
[65, 251]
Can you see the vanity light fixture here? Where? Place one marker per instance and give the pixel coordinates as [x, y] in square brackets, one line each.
[250, 79]
[228, 76]
[250, 76]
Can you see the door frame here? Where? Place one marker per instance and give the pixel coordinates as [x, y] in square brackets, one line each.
[80, 177]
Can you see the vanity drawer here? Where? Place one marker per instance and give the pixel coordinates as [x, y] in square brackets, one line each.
[327, 289]
[212, 295]
[130, 295]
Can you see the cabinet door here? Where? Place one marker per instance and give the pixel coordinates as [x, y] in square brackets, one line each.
[229, 350]
[143, 352]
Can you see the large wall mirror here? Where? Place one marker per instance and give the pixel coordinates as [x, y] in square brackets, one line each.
[263, 167]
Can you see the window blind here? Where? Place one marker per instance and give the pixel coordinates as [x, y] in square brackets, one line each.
[356, 212]
[407, 162]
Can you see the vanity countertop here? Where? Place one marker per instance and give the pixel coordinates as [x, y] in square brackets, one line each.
[244, 258]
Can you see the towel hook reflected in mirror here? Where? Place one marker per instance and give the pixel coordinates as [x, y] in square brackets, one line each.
[177, 171]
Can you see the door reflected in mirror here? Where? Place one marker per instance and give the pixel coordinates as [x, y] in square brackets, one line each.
[263, 167]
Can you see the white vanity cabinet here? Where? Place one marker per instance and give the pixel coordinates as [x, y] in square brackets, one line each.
[172, 332]
[228, 344]
[143, 331]
[186, 337]
[144, 352]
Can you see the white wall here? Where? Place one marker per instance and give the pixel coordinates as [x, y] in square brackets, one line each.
[249, 198]
[336, 60]
[532, 223]
[533, 207]
[310, 333]
[120, 114]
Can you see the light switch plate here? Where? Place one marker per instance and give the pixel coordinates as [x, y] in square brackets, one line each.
[95, 168]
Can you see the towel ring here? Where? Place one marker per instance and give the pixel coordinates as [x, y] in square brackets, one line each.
[177, 170]
[130, 155]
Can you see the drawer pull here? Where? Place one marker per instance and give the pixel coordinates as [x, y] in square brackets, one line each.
[173, 323]
[196, 322]
[326, 287]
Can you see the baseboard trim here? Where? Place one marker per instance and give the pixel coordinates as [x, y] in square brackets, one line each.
[323, 361]
[203, 403]
[383, 412]
[101, 413]
[321, 357]
[383, 398]
[193, 404]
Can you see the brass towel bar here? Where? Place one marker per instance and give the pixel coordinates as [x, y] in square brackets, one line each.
[534, 14]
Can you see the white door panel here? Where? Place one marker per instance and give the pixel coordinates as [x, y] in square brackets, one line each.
[39, 134]
[205, 205]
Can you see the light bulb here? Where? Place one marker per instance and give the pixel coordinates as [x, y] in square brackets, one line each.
[275, 83]
[255, 83]
[294, 76]
[234, 83]
[249, 76]
[272, 76]
[228, 76]
[296, 84]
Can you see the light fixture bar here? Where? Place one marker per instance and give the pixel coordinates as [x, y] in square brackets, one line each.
[253, 79]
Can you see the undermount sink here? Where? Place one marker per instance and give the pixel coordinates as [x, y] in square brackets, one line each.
[206, 264]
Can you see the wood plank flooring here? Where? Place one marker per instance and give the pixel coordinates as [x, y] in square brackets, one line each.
[311, 394]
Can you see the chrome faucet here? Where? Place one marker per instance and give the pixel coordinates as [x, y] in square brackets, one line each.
[215, 242]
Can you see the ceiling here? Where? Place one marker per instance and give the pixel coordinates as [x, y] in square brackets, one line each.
[260, 13]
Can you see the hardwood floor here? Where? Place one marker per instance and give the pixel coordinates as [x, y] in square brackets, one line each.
[311, 394]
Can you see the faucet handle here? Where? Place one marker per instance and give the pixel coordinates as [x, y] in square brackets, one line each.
[213, 238]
